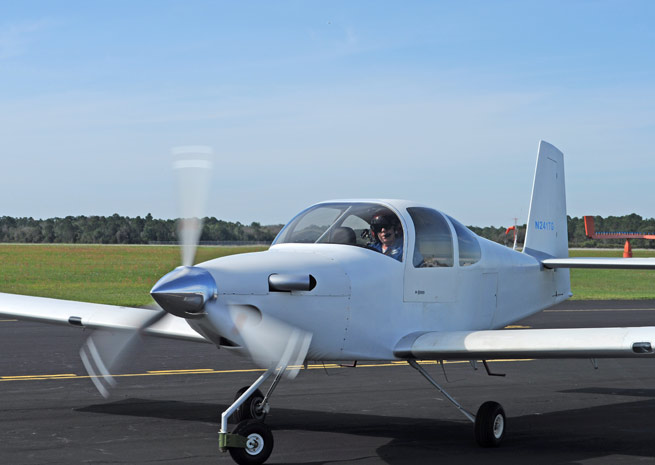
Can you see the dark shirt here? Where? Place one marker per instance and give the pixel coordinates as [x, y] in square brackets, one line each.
[395, 251]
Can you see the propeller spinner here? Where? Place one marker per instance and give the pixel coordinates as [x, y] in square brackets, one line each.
[185, 291]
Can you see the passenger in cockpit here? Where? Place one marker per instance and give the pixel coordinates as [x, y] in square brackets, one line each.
[387, 235]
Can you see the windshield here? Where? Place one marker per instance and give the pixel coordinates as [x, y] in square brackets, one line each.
[338, 223]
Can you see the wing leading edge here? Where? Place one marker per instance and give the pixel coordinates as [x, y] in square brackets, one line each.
[529, 343]
[94, 316]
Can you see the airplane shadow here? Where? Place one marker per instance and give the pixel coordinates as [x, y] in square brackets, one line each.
[621, 432]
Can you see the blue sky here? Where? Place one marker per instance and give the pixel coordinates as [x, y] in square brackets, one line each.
[439, 102]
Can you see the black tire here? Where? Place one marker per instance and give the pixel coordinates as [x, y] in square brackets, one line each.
[259, 440]
[250, 408]
[490, 424]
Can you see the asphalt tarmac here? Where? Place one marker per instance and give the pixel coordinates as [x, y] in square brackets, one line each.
[167, 408]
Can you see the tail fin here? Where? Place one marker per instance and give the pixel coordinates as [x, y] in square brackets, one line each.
[547, 233]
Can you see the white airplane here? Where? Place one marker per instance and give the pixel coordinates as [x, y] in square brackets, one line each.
[325, 290]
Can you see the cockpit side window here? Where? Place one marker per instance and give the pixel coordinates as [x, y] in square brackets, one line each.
[433, 246]
[469, 247]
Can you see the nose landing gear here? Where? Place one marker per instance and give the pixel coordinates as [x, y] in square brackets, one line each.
[251, 441]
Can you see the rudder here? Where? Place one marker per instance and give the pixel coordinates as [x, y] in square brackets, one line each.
[547, 232]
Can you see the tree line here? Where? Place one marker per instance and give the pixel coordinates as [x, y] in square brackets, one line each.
[118, 229]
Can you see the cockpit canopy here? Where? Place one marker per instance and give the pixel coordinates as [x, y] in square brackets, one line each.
[358, 224]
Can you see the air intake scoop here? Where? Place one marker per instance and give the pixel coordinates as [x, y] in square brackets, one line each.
[291, 282]
[184, 291]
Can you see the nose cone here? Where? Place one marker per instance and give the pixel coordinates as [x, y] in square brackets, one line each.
[184, 291]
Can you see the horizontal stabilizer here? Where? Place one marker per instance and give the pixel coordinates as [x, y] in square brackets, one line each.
[528, 343]
[94, 316]
[601, 262]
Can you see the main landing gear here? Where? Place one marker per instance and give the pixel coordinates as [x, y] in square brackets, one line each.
[489, 422]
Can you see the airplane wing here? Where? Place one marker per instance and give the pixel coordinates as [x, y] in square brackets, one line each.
[601, 262]
[528, 343]
[94, 316]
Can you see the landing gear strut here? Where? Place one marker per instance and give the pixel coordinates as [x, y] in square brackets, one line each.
[251, 441]
[490, 421]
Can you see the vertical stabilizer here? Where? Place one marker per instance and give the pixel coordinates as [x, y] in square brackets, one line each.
[547, 233]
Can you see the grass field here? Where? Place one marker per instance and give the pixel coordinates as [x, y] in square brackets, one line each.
[116, 275]
[123, 275]
[612, 284]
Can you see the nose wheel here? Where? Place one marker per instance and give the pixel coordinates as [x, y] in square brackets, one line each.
[258, 443]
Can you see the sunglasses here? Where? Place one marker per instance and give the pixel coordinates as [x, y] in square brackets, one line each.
[379, 227]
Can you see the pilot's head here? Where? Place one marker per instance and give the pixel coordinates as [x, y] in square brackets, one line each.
[385, 227]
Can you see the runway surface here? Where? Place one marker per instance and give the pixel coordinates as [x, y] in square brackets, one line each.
[167, 408]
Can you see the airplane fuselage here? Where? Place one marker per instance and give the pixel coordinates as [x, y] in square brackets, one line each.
[364, 302]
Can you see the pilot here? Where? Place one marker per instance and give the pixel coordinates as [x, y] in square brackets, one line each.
[387, 235]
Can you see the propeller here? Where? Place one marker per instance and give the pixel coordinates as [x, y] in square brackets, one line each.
[106, 351]
[271, 343]
[192, 166]
[185, 291]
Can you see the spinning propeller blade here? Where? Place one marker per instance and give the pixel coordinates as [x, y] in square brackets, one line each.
[270, 342]
[193, 167]
[105, 351]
